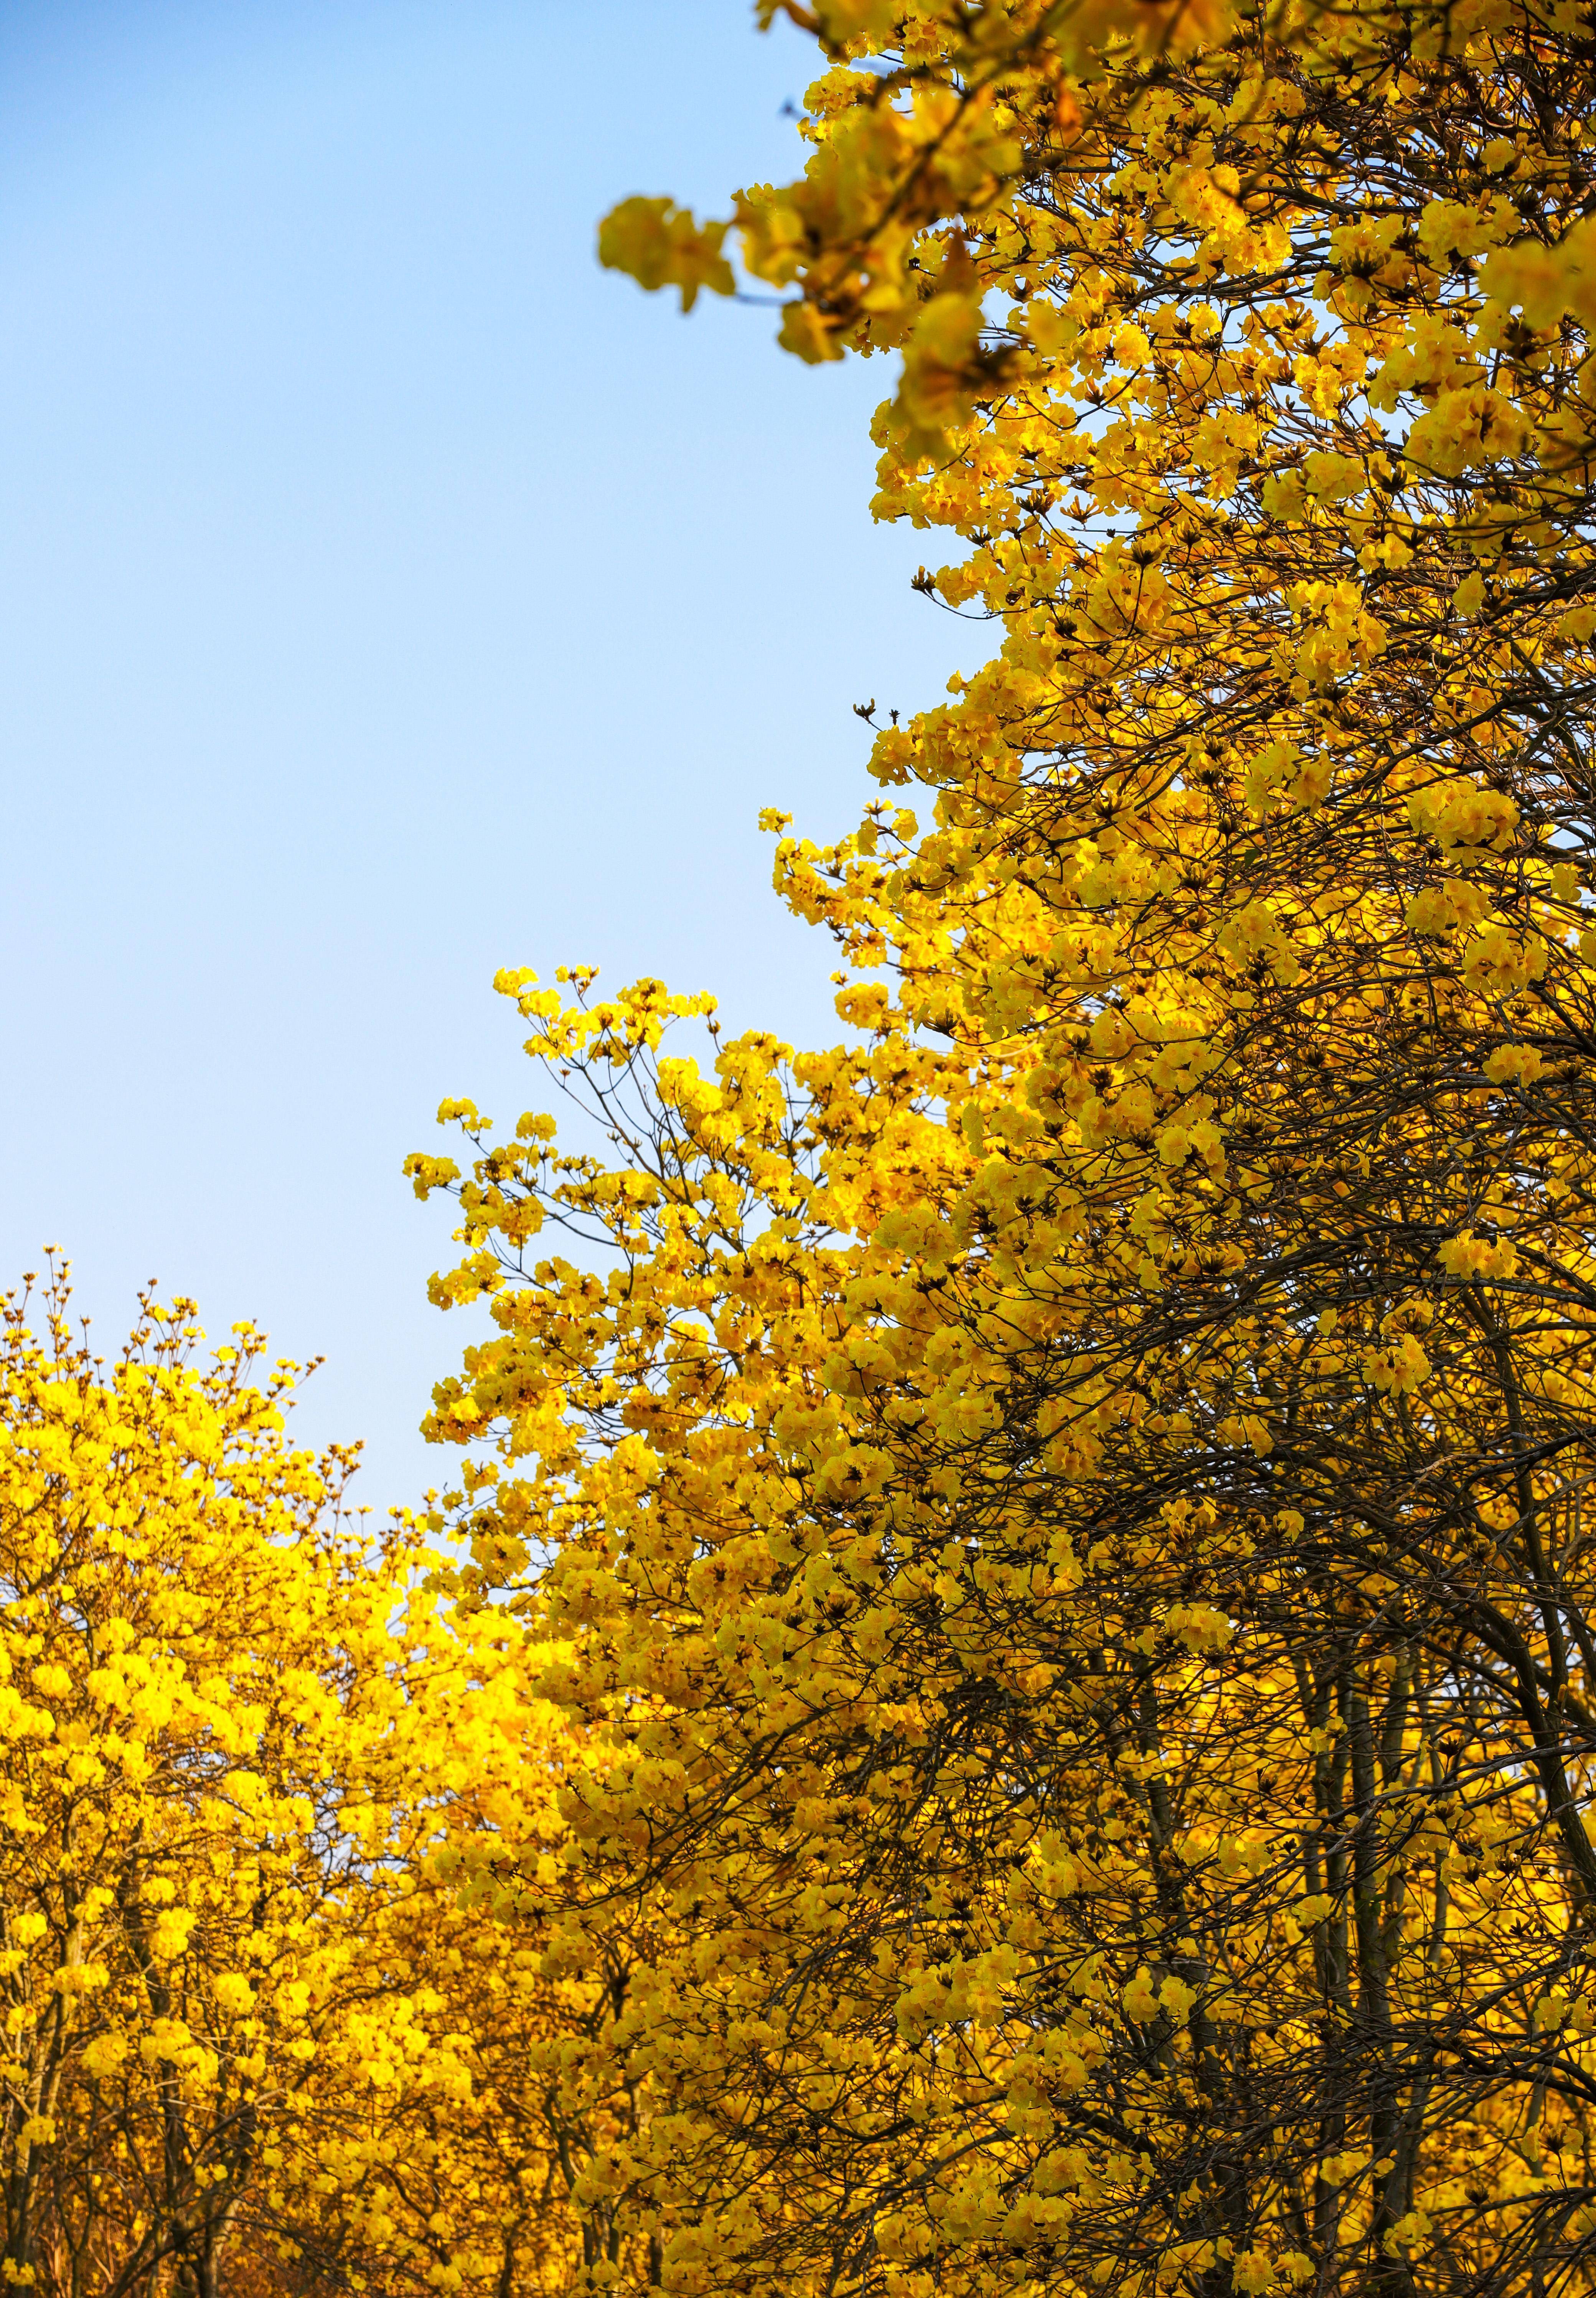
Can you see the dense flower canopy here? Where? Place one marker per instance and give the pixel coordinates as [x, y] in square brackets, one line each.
[1062, 1516]
[1004, 1703]
[256, 2036]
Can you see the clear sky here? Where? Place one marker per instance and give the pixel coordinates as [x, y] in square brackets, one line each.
[388, 595]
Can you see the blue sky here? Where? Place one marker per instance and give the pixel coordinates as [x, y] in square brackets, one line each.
[387, 595]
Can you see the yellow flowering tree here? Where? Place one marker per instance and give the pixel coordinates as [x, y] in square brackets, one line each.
[230, 1725]
[1063, 1519]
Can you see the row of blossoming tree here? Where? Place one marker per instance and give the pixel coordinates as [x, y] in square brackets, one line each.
[1004, 1702]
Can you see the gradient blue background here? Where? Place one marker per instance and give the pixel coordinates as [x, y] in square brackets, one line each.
[386, 595]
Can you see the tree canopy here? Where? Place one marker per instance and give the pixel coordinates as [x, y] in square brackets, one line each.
[1062, 1516]
[1004, 1702]
[257, 2038]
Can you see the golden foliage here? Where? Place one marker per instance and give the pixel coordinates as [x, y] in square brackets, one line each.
[1006, 1702]
[252, 2039]
[1062, 1519]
